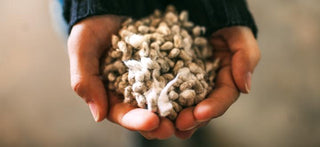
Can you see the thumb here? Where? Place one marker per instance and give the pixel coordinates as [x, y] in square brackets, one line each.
[245, 55]
[84, 54]
[87, 42]
[243, 64]
[91, 89]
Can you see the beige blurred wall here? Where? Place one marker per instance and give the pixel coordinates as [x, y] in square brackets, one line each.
[38, 107]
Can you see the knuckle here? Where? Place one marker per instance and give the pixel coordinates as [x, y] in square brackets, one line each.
[78, 87]
[256, 52]
[254, 56]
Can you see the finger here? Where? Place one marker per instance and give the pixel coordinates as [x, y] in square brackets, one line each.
[218, 43]
[185, 134]
[132, 118]
[246, 55]
[186, 120]
[84, 71]
[164, 131]
[188, 133]
[220, 99]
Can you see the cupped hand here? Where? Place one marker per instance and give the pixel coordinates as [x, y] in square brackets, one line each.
[88, 40]
[239, 53]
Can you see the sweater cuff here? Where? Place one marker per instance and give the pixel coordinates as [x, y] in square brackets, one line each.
[77, 10]
[227, 13]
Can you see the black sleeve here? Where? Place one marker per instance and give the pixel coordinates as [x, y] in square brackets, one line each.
[214, 14]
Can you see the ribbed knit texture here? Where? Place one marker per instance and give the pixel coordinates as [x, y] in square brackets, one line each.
[213, 14]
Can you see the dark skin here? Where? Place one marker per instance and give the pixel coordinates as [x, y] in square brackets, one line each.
[235, 46]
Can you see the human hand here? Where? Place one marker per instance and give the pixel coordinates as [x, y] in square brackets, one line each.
[239, 53]
[88, 40]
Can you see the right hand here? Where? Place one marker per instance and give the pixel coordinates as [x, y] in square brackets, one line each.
[88, 40]
[238, 50]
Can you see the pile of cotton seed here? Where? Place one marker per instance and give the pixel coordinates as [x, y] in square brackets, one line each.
[161, 63]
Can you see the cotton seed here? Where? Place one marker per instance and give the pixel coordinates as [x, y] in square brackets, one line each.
[183, 16]
[111, 77]
[186, 85]
[200, 41]
[174, 53]
[173, 95]
[196, 31]
[143, 29]
[186, 97]
[167, 46]
[176, 106]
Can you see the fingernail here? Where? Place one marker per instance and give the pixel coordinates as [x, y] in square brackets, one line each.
[188, 129]
[248, 82]
[201, 121]
[94, 111]
[192, 127]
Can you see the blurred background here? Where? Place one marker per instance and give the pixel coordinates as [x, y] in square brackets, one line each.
[38, 107]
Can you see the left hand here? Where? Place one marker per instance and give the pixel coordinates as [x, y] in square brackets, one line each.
[88, 41]
[239, 53]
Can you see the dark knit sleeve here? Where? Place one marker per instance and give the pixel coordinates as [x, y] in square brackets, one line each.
[214, 14]
[225, 13]
[77, 10]
[217, 14]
